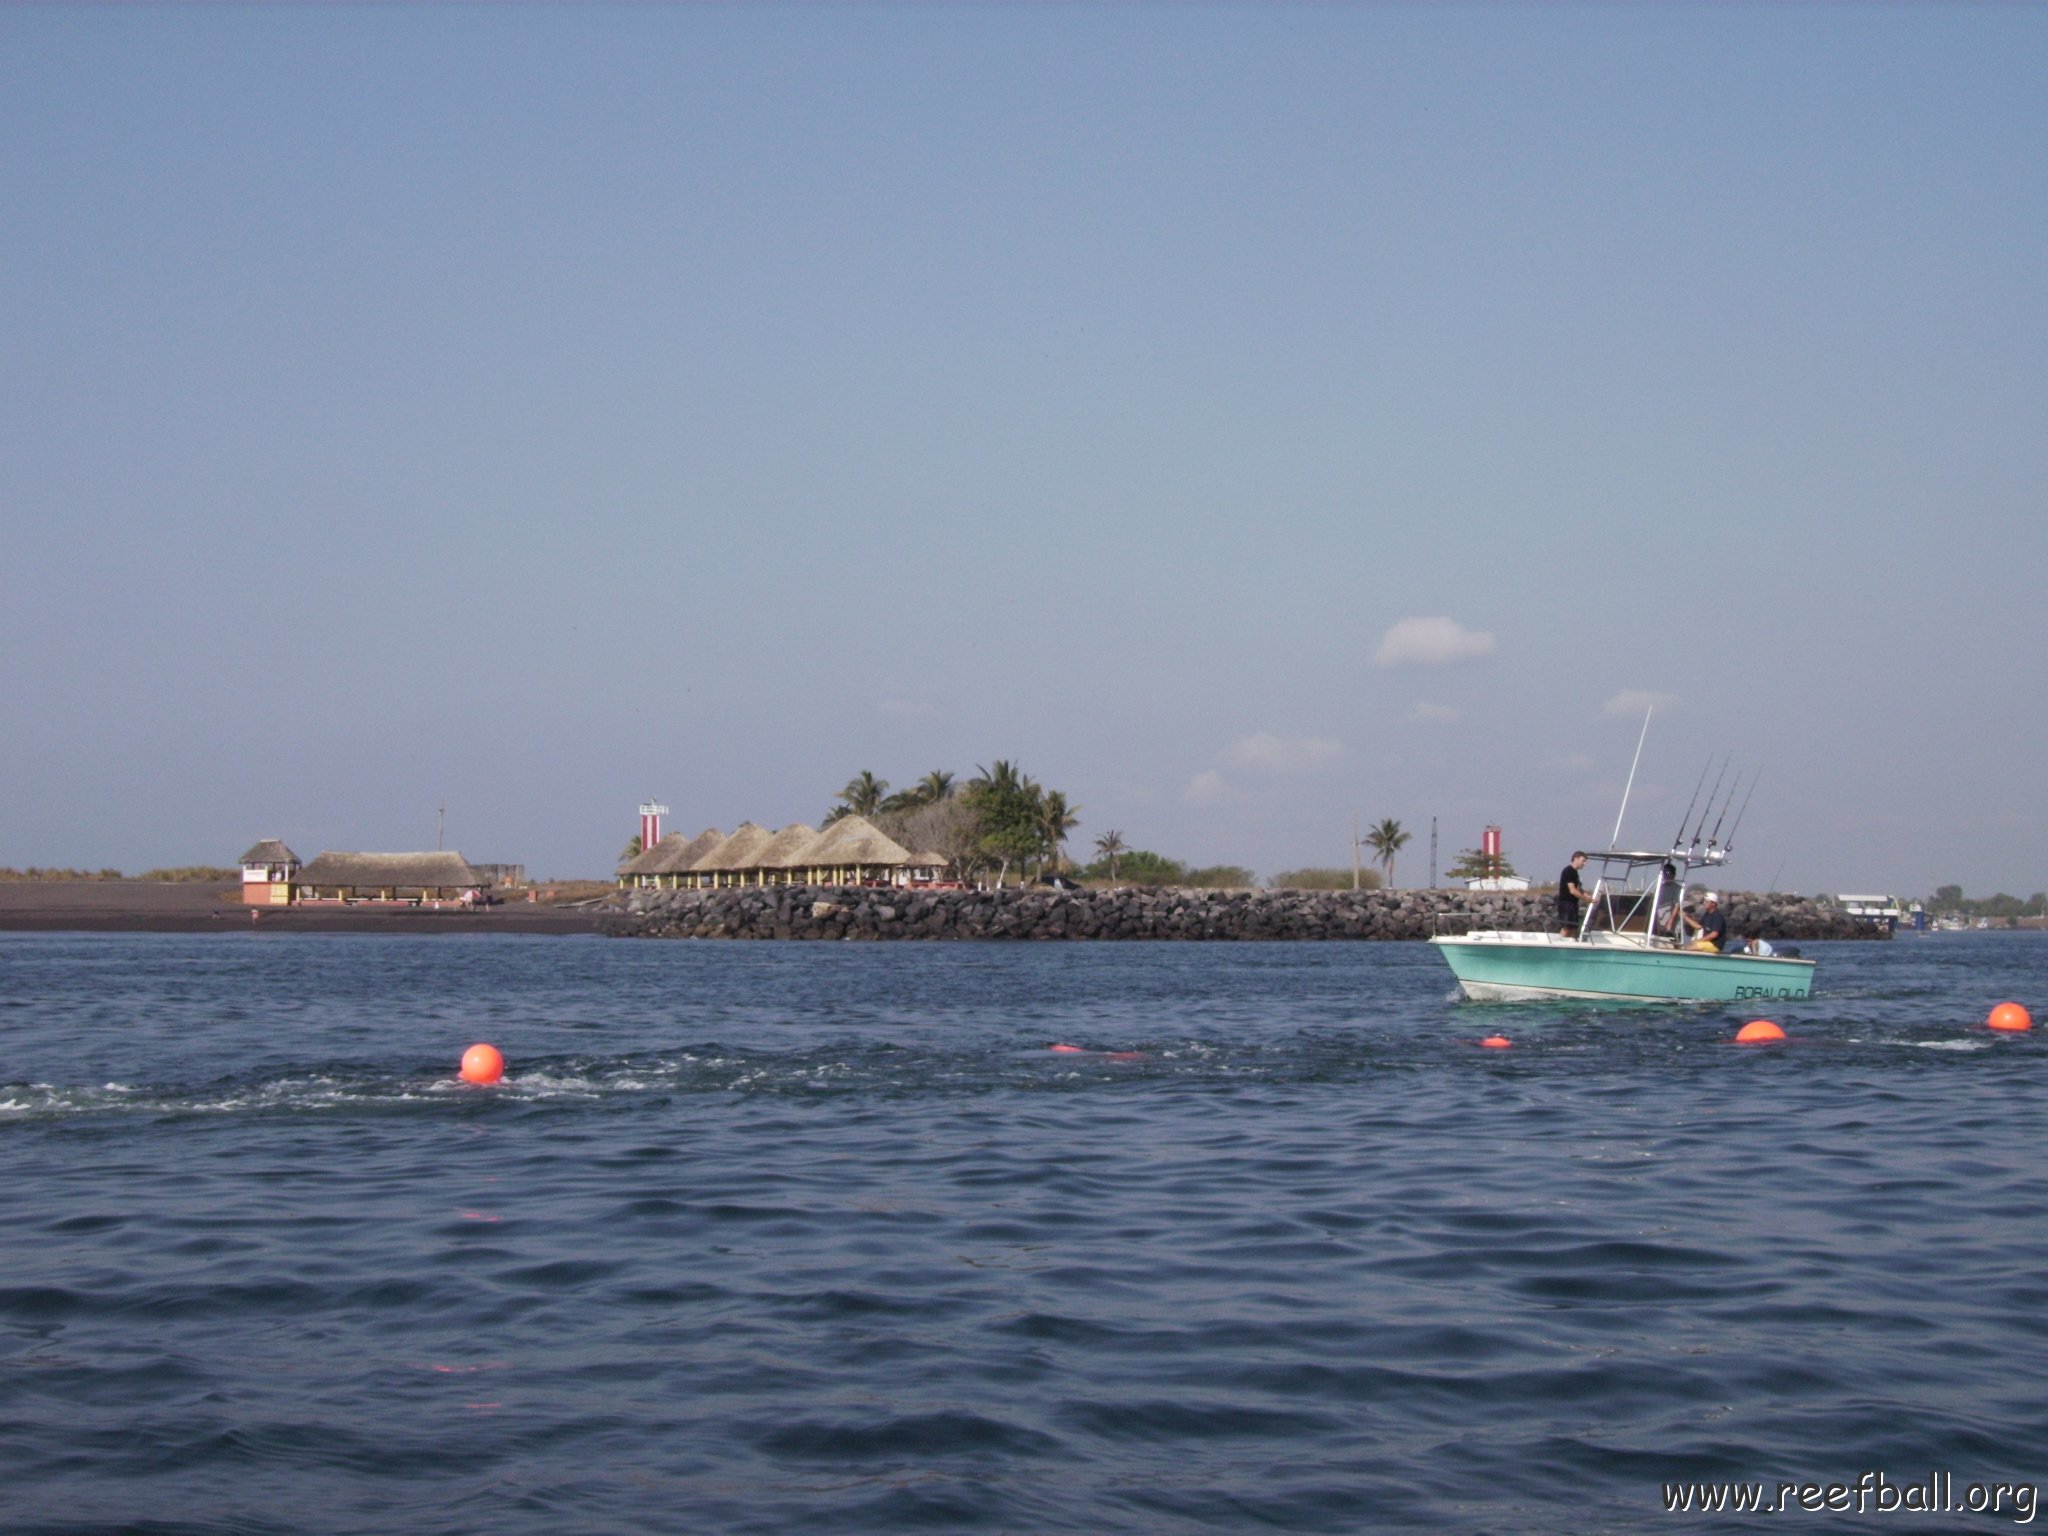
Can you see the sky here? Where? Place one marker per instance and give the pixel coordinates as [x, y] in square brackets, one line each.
[471, 421]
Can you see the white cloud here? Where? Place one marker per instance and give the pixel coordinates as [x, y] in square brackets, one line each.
[1633, 701]
[1209, 788]
[1275, 754]
[1435, 714]
[1430, 642]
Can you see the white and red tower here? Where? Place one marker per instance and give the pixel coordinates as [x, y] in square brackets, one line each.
[1489, 847]
[650, 824]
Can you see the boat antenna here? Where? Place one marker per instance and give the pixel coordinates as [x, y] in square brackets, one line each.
[1714, 837]
[1745, 809]
[1686, 820]
[1615, 841]
[1701, 825]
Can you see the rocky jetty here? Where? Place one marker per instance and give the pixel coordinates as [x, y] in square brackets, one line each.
[1134, 912]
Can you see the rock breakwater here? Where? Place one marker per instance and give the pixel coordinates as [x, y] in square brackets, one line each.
[1133, 912]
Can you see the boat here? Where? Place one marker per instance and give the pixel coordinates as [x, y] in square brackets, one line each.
[1622, 951]
[1630, 943]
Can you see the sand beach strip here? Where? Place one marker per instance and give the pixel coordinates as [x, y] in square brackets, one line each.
[142, 906]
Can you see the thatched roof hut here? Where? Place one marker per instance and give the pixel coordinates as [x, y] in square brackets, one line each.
[849, 849]
[786, 850]
[736, 854]
[647, 861]
[853, 849]
[854, 842]
[270, 851]
[388, 875]
[682, 860]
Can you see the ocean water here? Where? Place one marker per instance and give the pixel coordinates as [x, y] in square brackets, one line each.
[826, 1238]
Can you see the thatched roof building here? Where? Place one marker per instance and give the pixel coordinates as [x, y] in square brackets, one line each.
[387, 876]
[271, 851]
[694, 852]
[851, 850]
[785, 850]
[733, 858]
[644, 864]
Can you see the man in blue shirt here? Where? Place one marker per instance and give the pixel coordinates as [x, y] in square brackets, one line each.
[1711, 925]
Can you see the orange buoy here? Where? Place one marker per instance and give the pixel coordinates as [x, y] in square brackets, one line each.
[2010, 1017]
[482, 1064]
[1068, 1050]
[1497, 1042]
[1756, 1031]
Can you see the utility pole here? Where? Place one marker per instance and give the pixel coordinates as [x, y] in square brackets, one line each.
[1432, 853]
[1354, 850]
[440, 824]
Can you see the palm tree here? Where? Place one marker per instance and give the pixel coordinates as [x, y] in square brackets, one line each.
[862, 796]
[1111, 846]
[1003, 779]
[1058, 819]
[1386, 840]
[929, 790]
[632, 850]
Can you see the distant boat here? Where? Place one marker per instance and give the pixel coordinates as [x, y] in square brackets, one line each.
[1627, 948]
[1630, 943]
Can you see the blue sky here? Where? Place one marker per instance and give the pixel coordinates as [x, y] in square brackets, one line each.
[1241, 417]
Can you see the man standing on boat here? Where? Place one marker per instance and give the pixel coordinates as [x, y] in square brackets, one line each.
[1569, 895]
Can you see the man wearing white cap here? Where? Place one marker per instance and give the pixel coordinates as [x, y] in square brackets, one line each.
[1711, 925]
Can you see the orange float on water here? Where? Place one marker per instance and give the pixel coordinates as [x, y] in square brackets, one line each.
[2010, 1017]
[1757, 1031]
[1497, 1042]
[1069, 1050]
[482, 1064]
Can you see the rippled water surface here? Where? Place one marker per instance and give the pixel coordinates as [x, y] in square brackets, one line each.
[826, 1238]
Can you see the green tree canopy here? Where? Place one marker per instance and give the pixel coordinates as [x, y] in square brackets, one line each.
[1474, 865]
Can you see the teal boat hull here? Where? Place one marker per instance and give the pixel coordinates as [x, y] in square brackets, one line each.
[1522, 967]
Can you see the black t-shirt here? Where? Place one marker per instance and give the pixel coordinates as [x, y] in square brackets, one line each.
[1568, 891]
[1714, 925]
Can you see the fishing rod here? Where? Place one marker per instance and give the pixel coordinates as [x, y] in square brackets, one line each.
[1615, 841]
[1745, 809]
[1716, 790]
[1714, 837]
[1679, 841]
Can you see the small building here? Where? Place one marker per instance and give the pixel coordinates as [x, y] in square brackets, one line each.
[268, 871]
[387, 877]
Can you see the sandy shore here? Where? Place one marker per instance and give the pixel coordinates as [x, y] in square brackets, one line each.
[135, 906]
